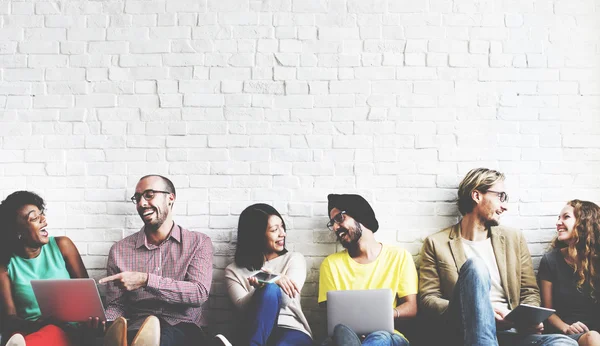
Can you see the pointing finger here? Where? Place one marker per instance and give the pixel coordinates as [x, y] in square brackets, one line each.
[109, 278]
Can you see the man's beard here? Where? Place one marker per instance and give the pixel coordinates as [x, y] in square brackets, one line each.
[153, 225]
[490, 223]
[355, 236]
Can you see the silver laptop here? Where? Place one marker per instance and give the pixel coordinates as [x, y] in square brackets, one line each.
[68, 300]
[365, 311]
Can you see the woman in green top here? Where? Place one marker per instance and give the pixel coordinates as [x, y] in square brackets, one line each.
[27, 252]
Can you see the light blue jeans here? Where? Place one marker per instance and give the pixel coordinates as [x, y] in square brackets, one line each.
[470, 316]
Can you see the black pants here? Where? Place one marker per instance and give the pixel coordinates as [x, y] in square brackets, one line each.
[181, 334]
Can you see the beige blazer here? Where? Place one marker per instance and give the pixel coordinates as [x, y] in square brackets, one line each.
[442, 256]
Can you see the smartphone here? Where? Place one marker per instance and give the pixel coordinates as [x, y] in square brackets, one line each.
[265, 278]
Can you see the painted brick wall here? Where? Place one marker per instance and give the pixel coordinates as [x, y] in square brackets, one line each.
[285, 101]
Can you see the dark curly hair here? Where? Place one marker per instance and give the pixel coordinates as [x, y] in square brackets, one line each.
[8, 220]
[585, 247]
[252, 226]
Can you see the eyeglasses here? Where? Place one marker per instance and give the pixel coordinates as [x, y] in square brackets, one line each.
[148, 195]
[501, 195]
[338, 218]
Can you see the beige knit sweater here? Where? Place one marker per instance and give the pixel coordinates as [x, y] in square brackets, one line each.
[293, 265]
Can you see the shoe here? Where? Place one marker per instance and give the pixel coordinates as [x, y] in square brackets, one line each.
[16, 340]
[220, 340]
[149, 333]
[116, 335]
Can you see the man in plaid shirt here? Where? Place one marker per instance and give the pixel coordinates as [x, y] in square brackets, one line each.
[163, 270]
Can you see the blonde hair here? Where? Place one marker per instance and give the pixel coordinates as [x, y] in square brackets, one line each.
[480, 179]
[585, 247]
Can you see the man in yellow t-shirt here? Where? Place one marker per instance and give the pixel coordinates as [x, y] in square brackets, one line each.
[366, 264]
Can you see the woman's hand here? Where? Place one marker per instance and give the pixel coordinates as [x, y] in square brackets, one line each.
[575, 328]
[94, 327]
[253, 281]
[288, 286]
[95, 323]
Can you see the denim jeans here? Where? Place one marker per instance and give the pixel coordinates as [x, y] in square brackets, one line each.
[470, 316]
[262, 316]
[506, 338]
[288, 337]
[344, 336]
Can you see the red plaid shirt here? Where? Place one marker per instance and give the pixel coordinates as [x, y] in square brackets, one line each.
[179, 277]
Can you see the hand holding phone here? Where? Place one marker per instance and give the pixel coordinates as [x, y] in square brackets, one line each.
[264, 277]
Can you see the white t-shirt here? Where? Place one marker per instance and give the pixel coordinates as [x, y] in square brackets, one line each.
[484, 250]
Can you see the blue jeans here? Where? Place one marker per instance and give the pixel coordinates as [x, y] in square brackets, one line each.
[470, 316]
[344, 336]
[263, 313]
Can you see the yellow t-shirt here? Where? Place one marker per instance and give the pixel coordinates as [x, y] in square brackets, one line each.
[394, 268]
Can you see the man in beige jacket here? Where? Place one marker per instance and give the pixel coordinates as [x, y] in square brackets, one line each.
[473, 273]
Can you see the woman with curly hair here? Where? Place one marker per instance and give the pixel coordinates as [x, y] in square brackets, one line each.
[28, 252]
[569, 273]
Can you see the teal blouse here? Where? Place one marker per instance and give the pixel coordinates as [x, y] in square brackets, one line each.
[49, 264]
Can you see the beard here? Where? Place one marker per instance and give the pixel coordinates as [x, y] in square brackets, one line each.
[354, 235]
[155, 223]
[490, 223]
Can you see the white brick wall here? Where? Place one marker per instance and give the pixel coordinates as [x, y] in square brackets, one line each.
[284, 101]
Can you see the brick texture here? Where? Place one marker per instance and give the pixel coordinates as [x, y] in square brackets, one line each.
[285, 101]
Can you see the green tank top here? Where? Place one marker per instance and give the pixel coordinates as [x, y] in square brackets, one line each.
[49, 264]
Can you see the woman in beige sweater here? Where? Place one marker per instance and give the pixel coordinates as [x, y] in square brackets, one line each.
[272, 311]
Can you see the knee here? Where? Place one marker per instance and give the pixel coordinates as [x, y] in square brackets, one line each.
[270, 292]
[563, 340]
[341, 328]
[590, 338]
[474, 264]
[399, 340]
[343, 336]
[381, 336]
[476, 268]
[52, 330]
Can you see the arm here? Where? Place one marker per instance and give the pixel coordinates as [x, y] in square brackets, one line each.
[555, 321]
[238, 293]
[76, 270]
[296, 270]
[115, 297]
[72, 258]
[407, 307]
[12, 322]
[296, 273]
[547, 276]
[194, 290]
[530, 293]
[407, 289]
[429, 281]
